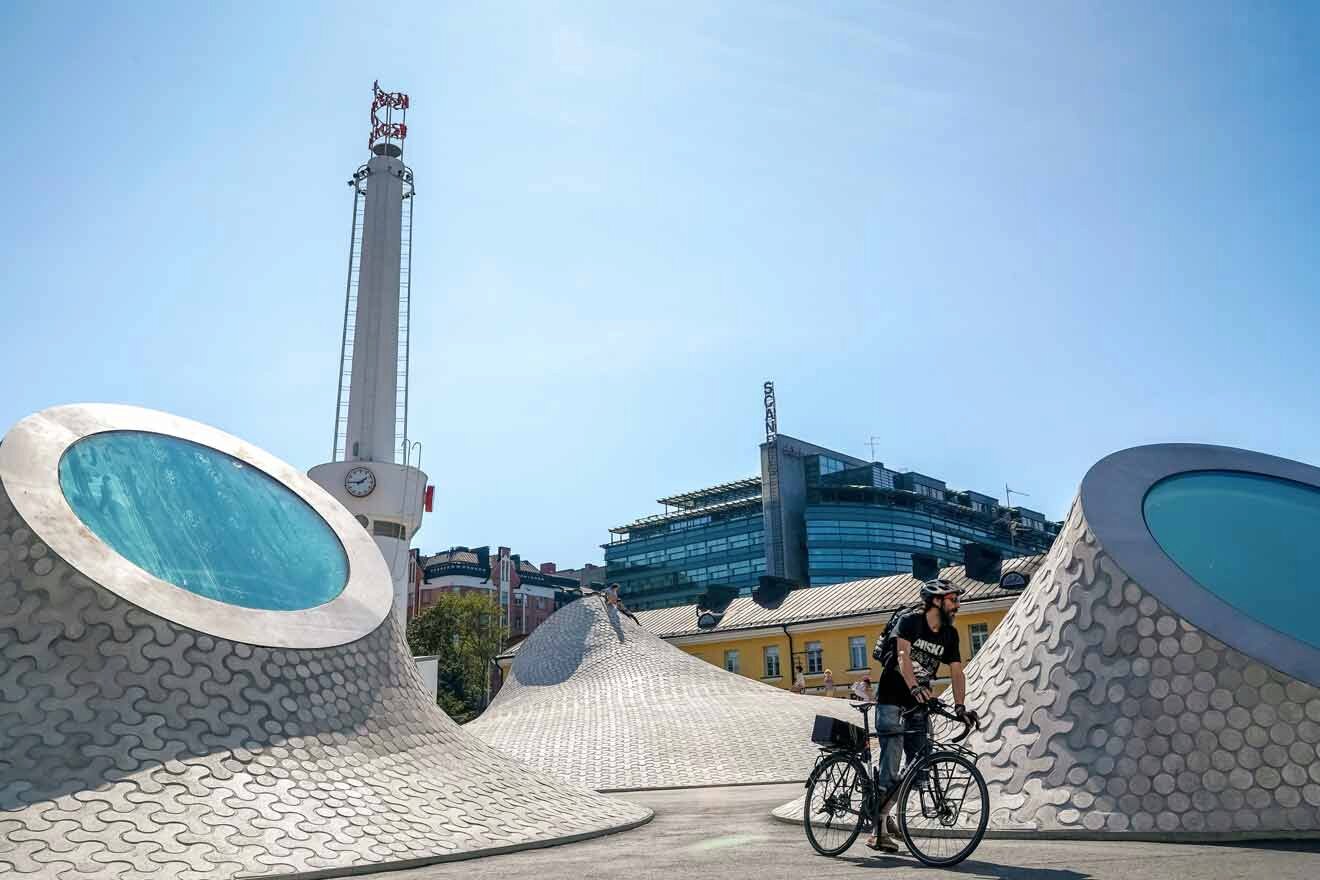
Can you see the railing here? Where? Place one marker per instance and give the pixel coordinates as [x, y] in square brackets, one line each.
[340, 452]
[405, 315]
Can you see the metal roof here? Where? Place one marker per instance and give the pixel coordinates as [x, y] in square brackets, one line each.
[457, 556]
[686, 513]
[809, 604]
[719, 489]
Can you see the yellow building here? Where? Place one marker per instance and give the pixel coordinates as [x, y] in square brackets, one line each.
[830, 627]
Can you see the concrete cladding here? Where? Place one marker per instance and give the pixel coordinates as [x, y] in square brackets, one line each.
[134, 746]
[597, 700]
[1119, 696]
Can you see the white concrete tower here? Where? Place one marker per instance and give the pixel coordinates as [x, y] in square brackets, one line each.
[373, 467]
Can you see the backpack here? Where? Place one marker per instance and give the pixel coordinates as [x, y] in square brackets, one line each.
[887, 645]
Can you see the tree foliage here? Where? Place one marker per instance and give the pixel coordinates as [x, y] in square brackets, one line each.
[465, 632]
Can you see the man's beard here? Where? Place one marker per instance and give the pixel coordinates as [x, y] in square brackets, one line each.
[946, 617]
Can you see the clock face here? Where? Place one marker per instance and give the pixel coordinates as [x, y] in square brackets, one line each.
[360, 482]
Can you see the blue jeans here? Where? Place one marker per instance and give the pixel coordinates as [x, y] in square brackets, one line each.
[898, 736]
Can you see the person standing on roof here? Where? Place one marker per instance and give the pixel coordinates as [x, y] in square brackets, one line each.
[612, 598]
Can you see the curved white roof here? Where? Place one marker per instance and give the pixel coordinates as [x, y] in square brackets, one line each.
[597, 700]
[146, 739]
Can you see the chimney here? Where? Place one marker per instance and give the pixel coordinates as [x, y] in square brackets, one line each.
[548, 568]
[982, 563]
[925, 567]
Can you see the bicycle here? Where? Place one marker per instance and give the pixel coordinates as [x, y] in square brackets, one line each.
[933, 806]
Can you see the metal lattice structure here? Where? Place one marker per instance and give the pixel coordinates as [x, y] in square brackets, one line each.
[405, 316]
[384, 132]
[338, 451]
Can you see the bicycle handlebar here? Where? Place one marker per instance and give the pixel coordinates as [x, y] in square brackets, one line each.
[936, 706]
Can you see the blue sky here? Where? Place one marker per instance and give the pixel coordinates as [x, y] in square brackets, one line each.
[1007, 239]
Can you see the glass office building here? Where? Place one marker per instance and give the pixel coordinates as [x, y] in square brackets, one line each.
[711, 536]
[814, 516]
[869, 520]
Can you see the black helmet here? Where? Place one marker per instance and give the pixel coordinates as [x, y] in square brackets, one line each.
[932, 590]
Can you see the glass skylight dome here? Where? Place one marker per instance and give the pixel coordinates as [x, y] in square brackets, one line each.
[1248, 538]
[1223, 537]
[203, 521]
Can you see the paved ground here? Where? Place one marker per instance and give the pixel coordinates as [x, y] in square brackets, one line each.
[727, 833]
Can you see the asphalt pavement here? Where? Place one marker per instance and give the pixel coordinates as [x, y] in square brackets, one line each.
[727, 833]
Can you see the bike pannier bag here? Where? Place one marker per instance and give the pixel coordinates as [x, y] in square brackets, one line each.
[834, 732]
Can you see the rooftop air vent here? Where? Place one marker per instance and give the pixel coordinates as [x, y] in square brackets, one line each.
[925, 567]
[982, 562]
[771, 591]
[717, 598]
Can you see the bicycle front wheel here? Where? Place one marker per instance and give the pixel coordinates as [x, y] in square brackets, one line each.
[836, 798]
[943, 808]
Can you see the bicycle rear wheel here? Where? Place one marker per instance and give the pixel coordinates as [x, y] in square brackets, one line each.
[833, 810]
[943, 808]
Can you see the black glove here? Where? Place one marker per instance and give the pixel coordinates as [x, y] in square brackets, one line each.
[966, 715]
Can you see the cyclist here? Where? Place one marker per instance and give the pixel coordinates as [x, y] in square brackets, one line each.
[925, 640]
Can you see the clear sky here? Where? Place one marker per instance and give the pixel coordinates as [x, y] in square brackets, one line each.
[1006, 239]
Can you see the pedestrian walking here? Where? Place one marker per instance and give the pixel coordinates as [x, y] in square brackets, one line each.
[829, 683]
[799, 680]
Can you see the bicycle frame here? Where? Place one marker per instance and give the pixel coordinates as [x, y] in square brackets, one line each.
[935, 801]
[870, 799]
[931, 793]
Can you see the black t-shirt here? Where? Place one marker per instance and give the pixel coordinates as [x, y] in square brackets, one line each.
[929, 650]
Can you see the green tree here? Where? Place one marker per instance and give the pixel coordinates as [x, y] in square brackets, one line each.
[465, 632]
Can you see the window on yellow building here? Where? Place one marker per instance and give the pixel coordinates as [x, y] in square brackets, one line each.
[731, 660]
[856, 652]
[771, 654]
[979, 633]
[815, 659]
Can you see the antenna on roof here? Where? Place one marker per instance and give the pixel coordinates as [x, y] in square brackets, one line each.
[1007, 518]
[872, 443]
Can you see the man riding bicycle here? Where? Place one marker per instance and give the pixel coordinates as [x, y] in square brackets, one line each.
[925, 639]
